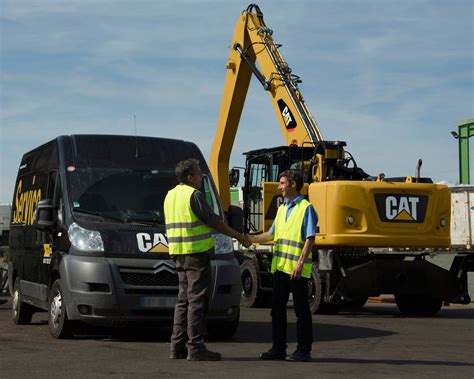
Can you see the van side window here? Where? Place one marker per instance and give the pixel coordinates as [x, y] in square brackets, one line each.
[54, 193]
[53, 177]
[209, 194]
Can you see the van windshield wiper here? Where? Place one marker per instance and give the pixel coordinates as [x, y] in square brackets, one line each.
[95, 213]
[150, 222]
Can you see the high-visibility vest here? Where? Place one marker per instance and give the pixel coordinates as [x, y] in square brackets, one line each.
[289, 243]
[186, 233]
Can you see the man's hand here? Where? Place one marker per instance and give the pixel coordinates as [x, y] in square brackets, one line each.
[260, 238]
[245, 240]
[296, 274]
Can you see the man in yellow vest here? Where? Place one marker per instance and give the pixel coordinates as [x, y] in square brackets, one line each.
[293, 231]
[189, 223]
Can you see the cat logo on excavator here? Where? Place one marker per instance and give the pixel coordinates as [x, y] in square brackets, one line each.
[401, 208]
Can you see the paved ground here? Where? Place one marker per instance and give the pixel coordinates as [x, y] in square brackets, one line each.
[375, 342]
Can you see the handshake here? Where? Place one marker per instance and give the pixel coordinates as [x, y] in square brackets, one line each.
[245, 240]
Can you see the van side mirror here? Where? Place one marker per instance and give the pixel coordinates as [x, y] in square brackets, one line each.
[44, 215]
[235, 218]
[234, 177]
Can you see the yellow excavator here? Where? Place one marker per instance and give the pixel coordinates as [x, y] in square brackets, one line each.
[374, 231]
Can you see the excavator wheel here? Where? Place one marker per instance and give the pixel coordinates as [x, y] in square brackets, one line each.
[252, 295]
[314, 289]
[418, 305]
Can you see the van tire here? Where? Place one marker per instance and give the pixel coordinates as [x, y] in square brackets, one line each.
[22, 312]
[224, 330]
[59, 324]
[357, 303]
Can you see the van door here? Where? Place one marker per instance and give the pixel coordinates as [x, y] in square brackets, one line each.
[24, 235]
[46, 241]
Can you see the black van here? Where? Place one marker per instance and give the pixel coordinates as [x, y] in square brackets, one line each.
[87, 235]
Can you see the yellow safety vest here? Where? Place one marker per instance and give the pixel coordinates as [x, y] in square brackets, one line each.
[289, 244]
[186, 233]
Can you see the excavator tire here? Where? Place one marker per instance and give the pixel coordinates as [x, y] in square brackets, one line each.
[314, 289]
[418, 305]
[252, 295]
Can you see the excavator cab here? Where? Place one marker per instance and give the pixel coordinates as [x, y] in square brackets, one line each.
[263, 166]
[317, 162]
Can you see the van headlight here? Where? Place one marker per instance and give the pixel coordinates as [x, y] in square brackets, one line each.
[222, 244]
[85, 240]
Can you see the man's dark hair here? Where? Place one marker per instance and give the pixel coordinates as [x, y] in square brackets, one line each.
[186, 167]
[294, 176]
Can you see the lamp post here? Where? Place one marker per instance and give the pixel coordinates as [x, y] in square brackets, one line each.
[465, 131]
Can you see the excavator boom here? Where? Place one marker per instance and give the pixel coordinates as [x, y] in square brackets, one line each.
[253, 41]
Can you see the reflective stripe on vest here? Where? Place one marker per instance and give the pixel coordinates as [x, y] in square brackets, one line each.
[288, 241]
[186, 233]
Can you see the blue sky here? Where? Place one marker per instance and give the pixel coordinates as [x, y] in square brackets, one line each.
[391, 78]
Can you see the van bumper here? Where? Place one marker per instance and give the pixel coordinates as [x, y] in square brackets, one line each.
[100, 290]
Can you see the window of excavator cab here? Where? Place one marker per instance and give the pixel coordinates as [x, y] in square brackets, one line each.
[259, 173]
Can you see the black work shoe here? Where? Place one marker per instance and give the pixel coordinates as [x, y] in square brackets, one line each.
[271, 355]
[299, 356]
[178, 354]
[204, 355]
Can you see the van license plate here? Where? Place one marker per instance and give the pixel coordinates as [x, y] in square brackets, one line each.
[158, 302]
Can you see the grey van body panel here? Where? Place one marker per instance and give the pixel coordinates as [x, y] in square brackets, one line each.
[34, 290]
[118, 284]
[100, 283]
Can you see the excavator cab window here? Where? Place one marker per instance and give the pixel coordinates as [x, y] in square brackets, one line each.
[265, 165]
[258, 169]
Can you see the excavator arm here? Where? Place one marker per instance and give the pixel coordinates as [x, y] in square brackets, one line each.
[253, 42]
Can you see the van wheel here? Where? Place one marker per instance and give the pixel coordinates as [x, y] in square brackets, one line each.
[22, 312]
[59, 324]
[224, 329]
[357, 303]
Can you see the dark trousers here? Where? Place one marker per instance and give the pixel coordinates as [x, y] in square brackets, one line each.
[282, 285]
[194, 274]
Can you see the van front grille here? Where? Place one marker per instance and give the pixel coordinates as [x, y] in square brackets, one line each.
[160, 279]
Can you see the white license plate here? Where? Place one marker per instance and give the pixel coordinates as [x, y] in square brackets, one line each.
[158, 302]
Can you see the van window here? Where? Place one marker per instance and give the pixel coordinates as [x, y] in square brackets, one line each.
[128, 194]
[121, 193]
[209, 194]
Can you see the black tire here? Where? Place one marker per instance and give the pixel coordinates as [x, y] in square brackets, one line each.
[22, 313]
[357, 303]
[223, 329]
[314, 289]
[315, 293]
[418, 305]
[251, 295]
[59, 324]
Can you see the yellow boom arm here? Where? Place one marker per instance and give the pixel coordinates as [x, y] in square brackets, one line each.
[252, 41]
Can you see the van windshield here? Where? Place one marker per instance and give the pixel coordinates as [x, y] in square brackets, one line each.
[127, 195]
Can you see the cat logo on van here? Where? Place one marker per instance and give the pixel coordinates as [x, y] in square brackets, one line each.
[152, 243]
[401, 208]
